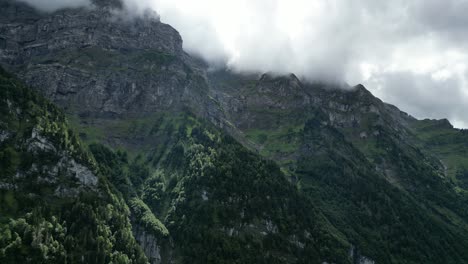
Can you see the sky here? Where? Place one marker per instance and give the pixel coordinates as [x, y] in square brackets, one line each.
[411, 53]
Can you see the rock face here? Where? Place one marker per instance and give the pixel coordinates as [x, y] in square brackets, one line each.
[98, 61]
[148, 243]
[251, 99]
[359, 259]
[345, 149]
[105, 62]
[51, 165]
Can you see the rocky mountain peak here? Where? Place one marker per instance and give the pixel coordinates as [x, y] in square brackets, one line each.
[438, 124]
[266, 77]
[362, 93]
[283, 85]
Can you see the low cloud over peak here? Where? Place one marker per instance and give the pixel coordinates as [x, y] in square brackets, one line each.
[411, 53]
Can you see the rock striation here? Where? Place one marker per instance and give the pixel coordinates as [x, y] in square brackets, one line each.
[99, 61]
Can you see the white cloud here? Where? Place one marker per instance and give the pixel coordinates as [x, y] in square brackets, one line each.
[409, 53]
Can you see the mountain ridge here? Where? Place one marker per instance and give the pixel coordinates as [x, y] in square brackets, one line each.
[376, 177]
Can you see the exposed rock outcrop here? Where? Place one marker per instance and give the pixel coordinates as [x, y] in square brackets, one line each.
[100, 61]
[149, 244]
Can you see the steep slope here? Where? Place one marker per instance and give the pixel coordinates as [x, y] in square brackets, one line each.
[102, 61]
[358, 158]
[56, 206]
[353, 173]
[447, 143]
[219, 212]
[61, 204]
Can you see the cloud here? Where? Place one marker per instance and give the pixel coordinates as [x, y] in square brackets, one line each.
[439, 95]
[410, 53]
[422, 43]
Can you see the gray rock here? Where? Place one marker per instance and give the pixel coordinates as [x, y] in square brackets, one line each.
[358, 258]
[38, 143]
[99, 61]
[149, 244]
[204, 196]
[4, 135]
[7, 186]
[365, 260]
[83, 174]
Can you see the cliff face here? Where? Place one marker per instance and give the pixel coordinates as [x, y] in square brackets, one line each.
[98, 61]
[350, 178]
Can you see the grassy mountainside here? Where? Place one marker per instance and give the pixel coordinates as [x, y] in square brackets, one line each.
[201, 195]
[220, 202]
[391, 224]
[448, 144]
[365, 164]
[313, 173]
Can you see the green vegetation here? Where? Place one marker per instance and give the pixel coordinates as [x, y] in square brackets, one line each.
[448, 144]
[214, 198]
[215, 210]
[46, 214]
[277, 143]
[204, 198]
[143, 214]
[378, 217]
[376, 209]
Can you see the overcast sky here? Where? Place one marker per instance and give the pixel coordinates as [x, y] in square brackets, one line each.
[411, 53]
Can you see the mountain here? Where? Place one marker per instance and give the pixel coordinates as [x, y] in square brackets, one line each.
[369, 166]
[96, 61]
[57, 206]
[152, 156]
[63, 203]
